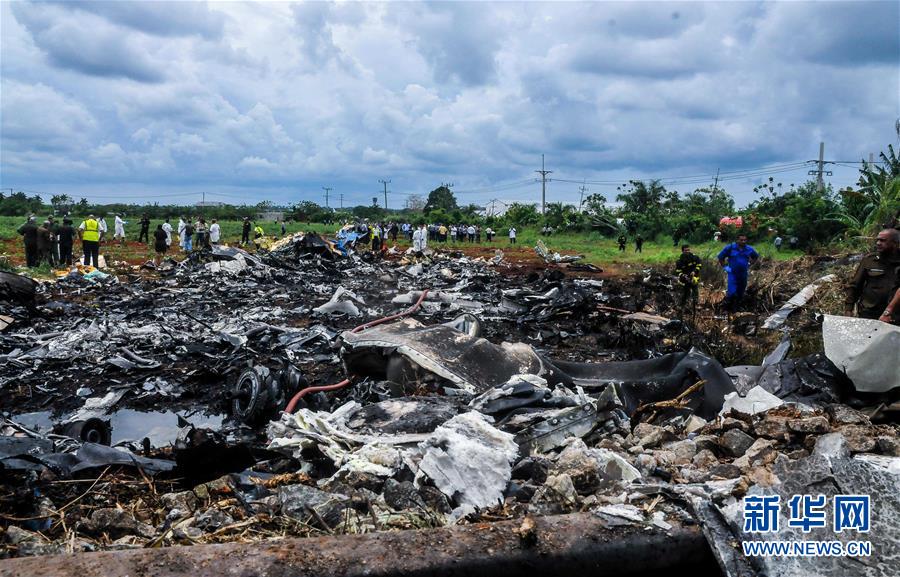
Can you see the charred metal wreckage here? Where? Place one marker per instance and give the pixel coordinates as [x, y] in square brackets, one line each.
[506, 418]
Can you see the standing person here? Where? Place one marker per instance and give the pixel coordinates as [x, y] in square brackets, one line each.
[91, 235]
[489, 232]
[740, 256]
[54, 241]
[639, 244]
[66, 237]
[161, 241]
[187, 238]
[245, 230]
[442, 233]
[688, 270]
[181, 226]
[512, 235]
[471, 231]
[424, 233]
[478, 234]
[202, 234]
[103, 228]
[453, 234]
[623, 240]
[875, 279]
[43, 243]
[376, 237]
[120, 229]
[417, 240]
[145, 229]
[168, 228]
[283, 229]
[258, 234]
[214, 232]
[778, 241]
[29, 232]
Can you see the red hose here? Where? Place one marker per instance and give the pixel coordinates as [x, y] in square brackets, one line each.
[302, 393]
[408, 311]
[293, 404]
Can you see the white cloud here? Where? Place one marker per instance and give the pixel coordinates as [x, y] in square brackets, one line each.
[273, 98]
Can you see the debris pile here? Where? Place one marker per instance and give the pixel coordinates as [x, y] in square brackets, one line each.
[151, 412]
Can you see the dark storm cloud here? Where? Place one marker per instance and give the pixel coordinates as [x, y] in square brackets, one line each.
[150, 17]
[272, 100]
[839, 34]
[457, 39]
[87, 45]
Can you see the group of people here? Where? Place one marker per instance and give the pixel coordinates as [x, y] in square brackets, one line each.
[638, 243]
[52, 243]
[48, 242]
[873, 292]
[379, 233]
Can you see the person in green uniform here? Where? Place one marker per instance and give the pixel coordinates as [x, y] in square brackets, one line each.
[872, 286]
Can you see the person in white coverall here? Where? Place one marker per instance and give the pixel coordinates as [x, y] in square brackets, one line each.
[120, 229]
[420, 239]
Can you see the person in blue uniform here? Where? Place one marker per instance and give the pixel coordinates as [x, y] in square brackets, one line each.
[736, 259]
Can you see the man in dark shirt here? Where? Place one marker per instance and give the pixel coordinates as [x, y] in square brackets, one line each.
[639, 244]
[876, 278]
[29, 232]
[623, 240]
[145, 230]
[43, 243]
[245, 231]
[54, 241]
[688, 270]
[66, 235]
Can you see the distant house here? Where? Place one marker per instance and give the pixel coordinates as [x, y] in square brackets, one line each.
[209, 203]
[276, 215]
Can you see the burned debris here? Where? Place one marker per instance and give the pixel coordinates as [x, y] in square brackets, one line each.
[309, 390]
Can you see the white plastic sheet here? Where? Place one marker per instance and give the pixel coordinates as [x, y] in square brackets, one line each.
[867, 350]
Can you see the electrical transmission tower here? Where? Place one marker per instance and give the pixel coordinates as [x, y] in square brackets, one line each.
[543, 174]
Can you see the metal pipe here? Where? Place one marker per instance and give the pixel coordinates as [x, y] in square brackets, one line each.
[574, 544]
[302, 393]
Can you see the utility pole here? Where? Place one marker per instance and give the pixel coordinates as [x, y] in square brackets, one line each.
[583, 189]
[342, 201]
[543, 174]
[327, 189]
[385, 183]
[820, 171]
[716, 183]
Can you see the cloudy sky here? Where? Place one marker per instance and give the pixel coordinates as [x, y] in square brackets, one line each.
[159, 101]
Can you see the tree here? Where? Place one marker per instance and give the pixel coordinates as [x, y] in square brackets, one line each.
[415, 202]
[557, 214]
[441, 197]
[601, 216]
[522, 214]
[642, 207]
[306, 210]
[873, 176]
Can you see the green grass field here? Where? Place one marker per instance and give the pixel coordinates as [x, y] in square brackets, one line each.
[596, 249]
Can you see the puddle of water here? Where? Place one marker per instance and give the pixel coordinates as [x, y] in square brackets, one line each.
[161, 427]
[39, 421]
